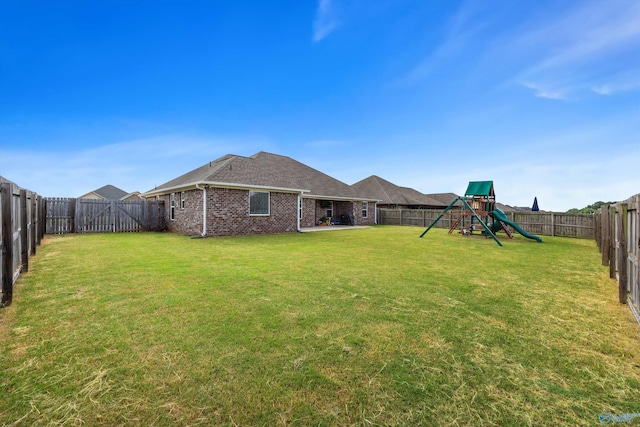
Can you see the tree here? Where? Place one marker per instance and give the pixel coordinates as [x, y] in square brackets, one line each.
[591, 208]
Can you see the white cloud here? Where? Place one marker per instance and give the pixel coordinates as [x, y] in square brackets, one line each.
[622, 82]
[137, 165]
[325, 21]
[546, 92]
[462, 28]
[597, 38]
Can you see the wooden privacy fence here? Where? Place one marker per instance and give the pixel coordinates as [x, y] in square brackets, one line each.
[21, 228]
[541, 223]
[65, 215]
[618, 237]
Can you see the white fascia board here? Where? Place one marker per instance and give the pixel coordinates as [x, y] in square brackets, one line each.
[194, 185]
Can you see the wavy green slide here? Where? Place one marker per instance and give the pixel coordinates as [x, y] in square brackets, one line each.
[500, 216]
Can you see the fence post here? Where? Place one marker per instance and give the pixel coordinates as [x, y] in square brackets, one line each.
[604, 222]
[42, 218]
[622, 255]
[612, 241]
[33, 229]
[72, 214]
[114, 215]
[7, 244]
[147, 215]
[596, 230]
[24, 233]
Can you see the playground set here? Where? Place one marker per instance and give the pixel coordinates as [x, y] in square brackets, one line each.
[477, 211]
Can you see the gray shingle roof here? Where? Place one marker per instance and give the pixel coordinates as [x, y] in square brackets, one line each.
[263, 170]
[110, 192]
[392, 194]
[230, 169]
[445, 198]
[301, 175]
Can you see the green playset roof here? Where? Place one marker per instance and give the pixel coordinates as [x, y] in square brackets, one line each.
[480, 188]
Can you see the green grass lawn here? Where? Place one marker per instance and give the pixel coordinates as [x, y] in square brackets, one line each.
[360, 327]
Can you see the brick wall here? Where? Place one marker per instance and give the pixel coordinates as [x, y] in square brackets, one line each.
[188, 220]
[309, 217]
[357, 214]
[228, 213]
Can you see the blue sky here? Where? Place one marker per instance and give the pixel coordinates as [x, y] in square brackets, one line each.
[542, 97]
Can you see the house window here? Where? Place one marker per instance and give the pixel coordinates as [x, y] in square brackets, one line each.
[330, 210]
[182, 200]
[300, 208]
[258, 203]
[172, 206]
[365, 209]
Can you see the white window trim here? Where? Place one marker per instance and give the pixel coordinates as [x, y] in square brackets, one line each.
[172, 206]
[268, 204]
[182, 200]
[365, 209]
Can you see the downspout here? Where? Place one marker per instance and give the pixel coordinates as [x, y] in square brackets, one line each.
[299, 212]
[375, 213]
[204, 210]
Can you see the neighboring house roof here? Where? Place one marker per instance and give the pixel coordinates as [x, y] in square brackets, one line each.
[445, 198]
[108, 192]
[132, 196]
[506, 208]
[389, 193]
[262, 170]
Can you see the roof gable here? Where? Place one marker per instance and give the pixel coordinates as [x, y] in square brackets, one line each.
[108, 192]
[230, 169]
[301, 175]
[262, 170]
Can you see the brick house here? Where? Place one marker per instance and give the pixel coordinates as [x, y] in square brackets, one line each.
[263, 193]
[392, 196]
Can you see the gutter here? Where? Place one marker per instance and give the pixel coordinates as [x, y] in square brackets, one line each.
[340, 198]
[197, 185]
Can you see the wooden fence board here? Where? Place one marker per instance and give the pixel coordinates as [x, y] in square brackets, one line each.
[540, 223]
[6, 267]
[103, 216]
[618, 239]
[19, 214]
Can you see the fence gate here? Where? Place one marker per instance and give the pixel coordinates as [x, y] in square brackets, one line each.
[103, 216]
